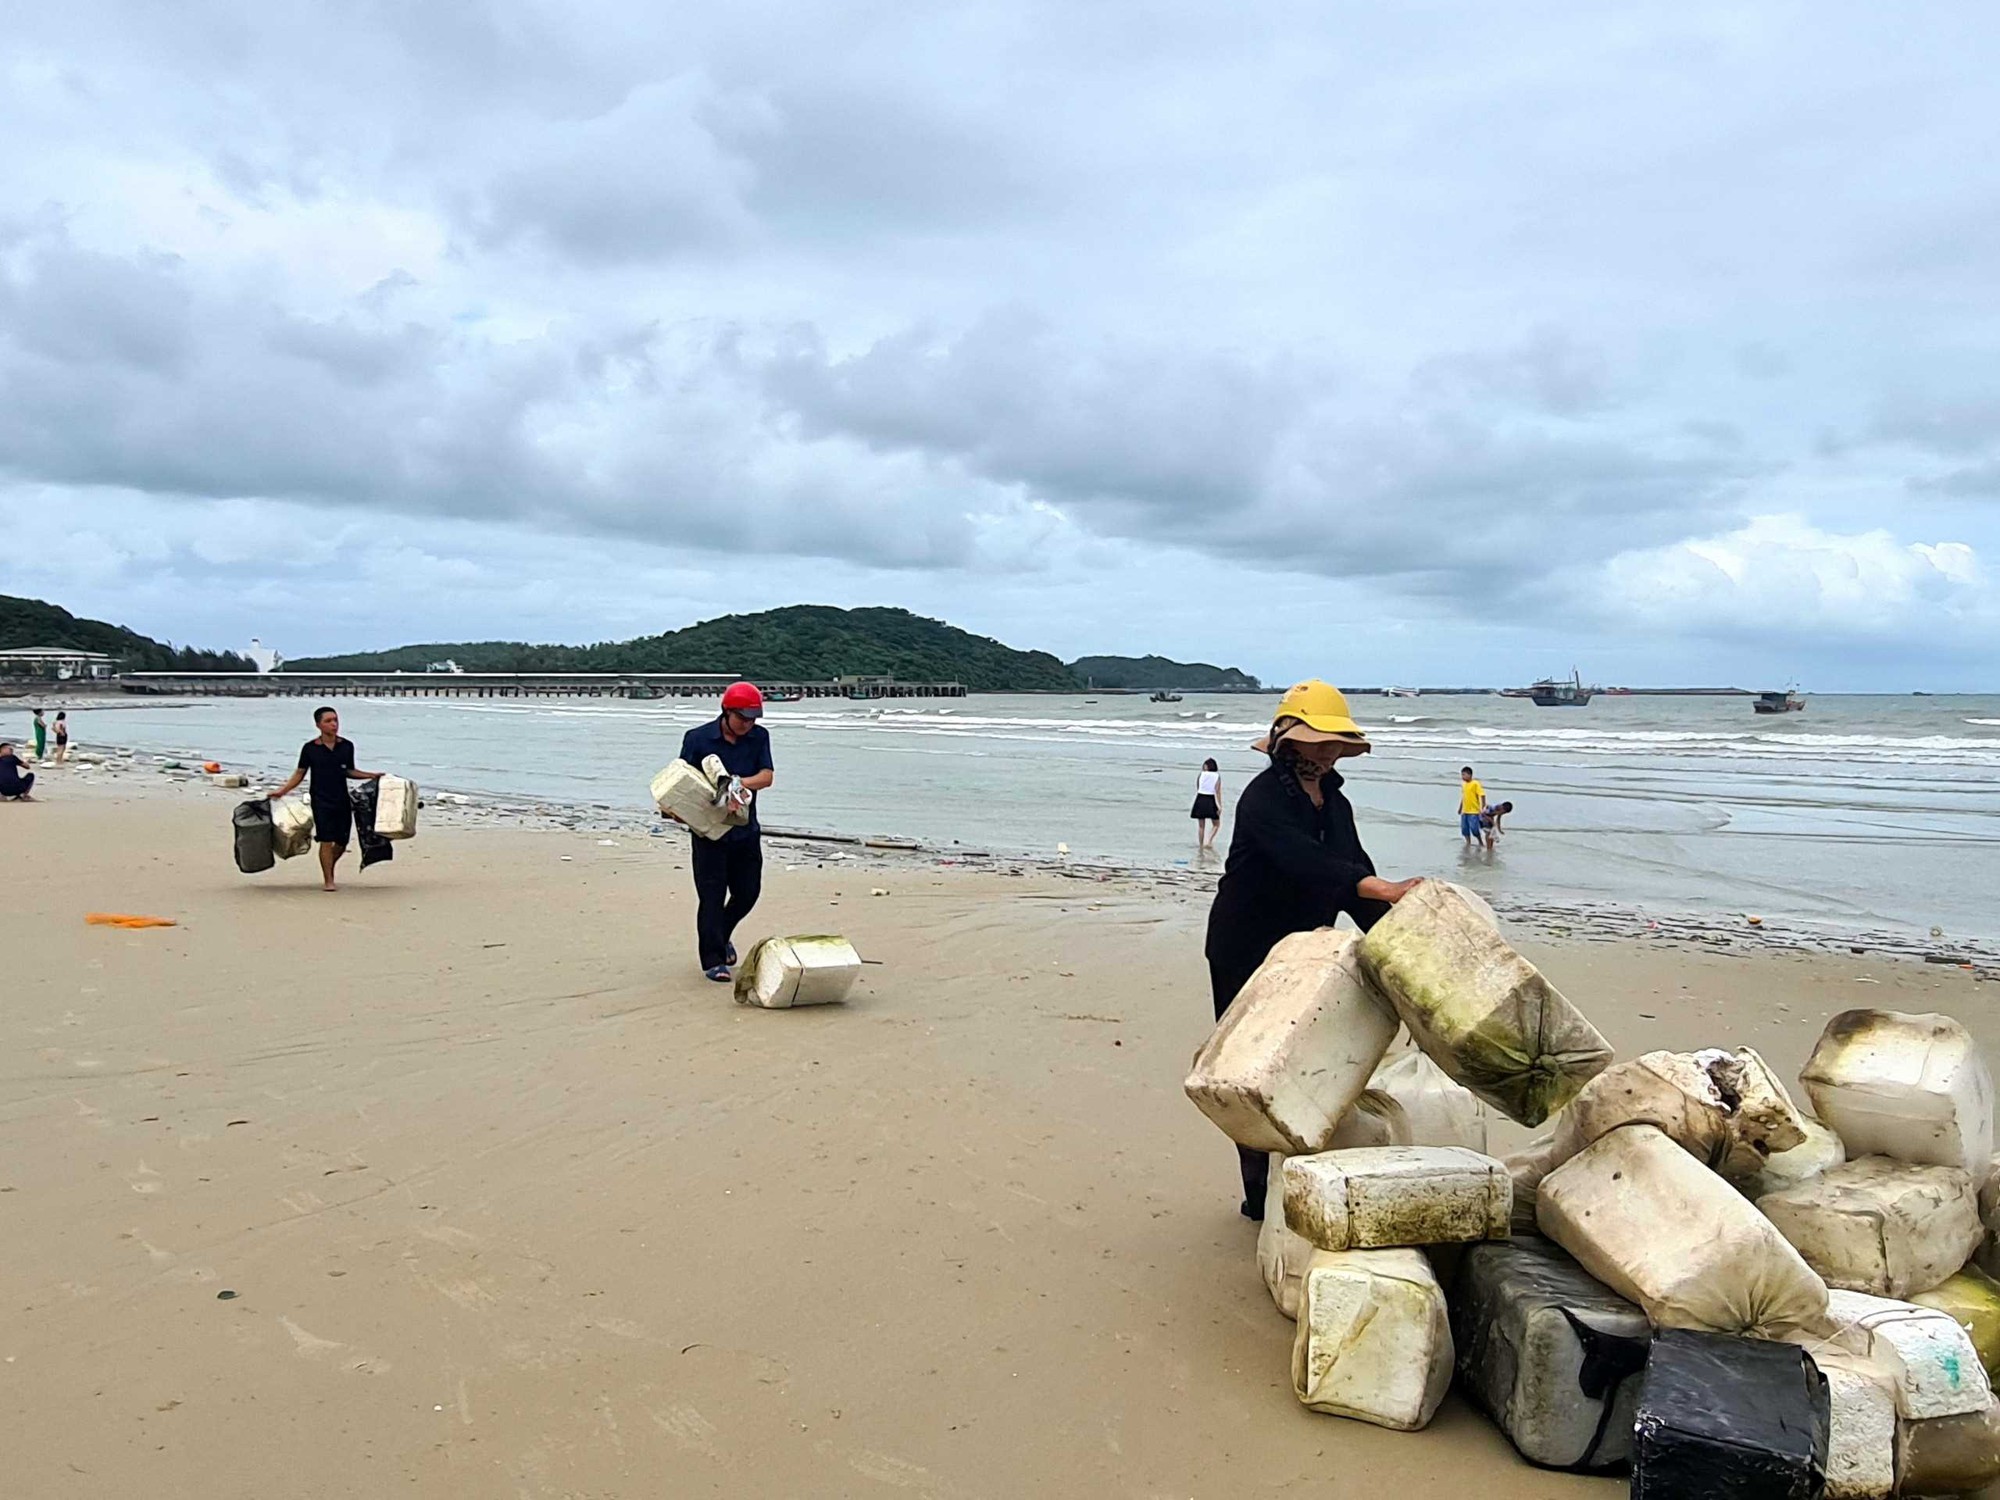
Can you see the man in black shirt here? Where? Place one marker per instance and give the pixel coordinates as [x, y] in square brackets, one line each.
[729, 871]
[329, 760]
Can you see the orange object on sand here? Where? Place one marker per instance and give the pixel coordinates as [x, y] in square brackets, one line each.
[121, 919]
[211, 766]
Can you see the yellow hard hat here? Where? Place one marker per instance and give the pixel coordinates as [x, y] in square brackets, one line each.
[1313, 710]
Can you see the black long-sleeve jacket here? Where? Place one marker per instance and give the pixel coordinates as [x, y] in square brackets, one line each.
[1292, 867]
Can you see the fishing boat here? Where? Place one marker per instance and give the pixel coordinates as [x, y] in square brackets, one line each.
[779, 695]
[1787, 702]
[1550, 693]
[1163, 696]
[1402, 692]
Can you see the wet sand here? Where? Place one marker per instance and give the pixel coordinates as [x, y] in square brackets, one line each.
[512, 1202]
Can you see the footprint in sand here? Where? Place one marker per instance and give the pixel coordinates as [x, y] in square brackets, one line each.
[312, 1346]
[689, 1428]
[463, 1291]
[309, 1345]
[94, 1115]
[884, 1469]
[154, 1253]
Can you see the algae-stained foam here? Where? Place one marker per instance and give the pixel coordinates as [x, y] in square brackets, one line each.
[1483, 1013]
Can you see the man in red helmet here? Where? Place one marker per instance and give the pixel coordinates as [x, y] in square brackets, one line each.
[729, 871]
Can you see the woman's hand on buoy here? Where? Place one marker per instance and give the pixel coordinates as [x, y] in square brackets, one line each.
[1375, 888]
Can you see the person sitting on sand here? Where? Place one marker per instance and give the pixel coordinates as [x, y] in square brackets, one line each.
[1295, 861]
[330, 761]
[1471, 803]
[1489, 821]
[15, 783]
[1207, 805]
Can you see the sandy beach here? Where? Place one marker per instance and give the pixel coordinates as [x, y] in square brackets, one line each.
[463, 1182]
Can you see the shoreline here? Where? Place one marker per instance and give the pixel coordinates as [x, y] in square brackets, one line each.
[1746, 933]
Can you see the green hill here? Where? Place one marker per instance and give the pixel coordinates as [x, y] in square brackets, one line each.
[31, 622]
[802, 643]
[1153, 673]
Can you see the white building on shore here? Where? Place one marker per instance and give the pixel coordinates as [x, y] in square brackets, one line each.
[61, 662]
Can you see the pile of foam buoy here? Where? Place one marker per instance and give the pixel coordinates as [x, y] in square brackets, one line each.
[1685, 1275]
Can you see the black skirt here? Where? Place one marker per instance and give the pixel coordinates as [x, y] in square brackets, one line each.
[1204, 807]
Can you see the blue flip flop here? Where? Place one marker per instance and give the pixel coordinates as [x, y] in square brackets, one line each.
[720, 973]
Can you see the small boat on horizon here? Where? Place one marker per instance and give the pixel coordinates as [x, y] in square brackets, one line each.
[1402, 692]
[1551, 693]
[1787, 702]
[1163, 696]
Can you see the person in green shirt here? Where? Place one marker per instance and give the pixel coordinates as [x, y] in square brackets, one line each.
[41, 735]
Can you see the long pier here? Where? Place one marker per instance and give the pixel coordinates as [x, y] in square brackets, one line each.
[509, 685]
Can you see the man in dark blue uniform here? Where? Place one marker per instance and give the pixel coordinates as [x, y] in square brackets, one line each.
[329, 760]
[729, 871]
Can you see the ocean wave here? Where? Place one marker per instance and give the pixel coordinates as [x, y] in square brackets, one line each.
[1396, 734]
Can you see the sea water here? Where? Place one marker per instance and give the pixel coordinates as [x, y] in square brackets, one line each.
[1859, 811]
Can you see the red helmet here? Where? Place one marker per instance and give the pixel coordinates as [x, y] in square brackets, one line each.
[744, 698]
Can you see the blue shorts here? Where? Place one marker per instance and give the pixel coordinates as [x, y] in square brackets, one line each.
[1468, 825]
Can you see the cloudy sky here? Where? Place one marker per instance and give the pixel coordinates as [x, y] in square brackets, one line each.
[1428, 341]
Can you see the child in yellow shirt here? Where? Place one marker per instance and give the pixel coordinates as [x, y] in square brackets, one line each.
[1471, 803]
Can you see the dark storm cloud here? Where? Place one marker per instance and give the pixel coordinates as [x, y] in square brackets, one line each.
[644, 180]
[1953, 427]
[1471, 469]
[1960, 431]
[1974, 482]
[1012, 399]
[618, 429]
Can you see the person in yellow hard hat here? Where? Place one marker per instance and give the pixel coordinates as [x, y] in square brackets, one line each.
[1295, 861]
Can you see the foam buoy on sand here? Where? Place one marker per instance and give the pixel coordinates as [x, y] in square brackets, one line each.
[781, 973]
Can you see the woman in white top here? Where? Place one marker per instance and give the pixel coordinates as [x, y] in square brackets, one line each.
[1207, 810]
